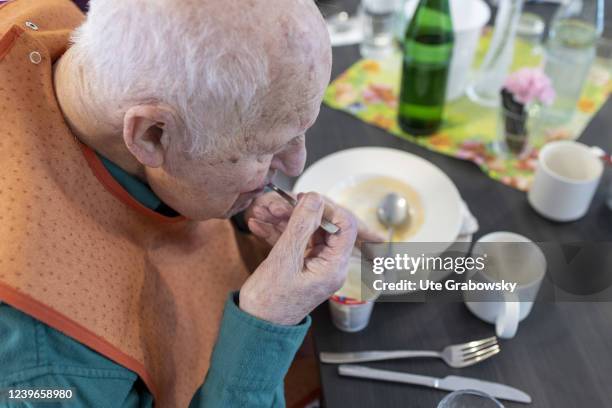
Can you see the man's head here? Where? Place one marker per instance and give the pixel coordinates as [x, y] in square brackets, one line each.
[210, 97]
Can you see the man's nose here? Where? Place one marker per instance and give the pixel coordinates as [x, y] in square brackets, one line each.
[290, 162]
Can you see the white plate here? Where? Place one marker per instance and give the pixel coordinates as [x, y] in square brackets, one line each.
[438, 194]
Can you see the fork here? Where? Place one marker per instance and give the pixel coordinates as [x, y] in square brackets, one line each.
[456, 356]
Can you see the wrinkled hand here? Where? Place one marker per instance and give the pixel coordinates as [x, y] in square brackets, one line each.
[305, 266]
[267, 218]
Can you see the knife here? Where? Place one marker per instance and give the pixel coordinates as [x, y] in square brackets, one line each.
[449, 383]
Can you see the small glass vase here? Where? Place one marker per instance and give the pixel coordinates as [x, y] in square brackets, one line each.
[517, 133]
[496, 64]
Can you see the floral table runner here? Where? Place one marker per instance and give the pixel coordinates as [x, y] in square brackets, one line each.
[369, 90]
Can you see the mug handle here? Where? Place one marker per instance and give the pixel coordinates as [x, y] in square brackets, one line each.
[507, 322]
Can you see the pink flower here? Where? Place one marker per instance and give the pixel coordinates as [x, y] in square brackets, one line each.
[529, 85]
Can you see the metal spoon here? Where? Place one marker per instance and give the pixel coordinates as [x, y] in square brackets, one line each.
[327, 225]
[392, 212]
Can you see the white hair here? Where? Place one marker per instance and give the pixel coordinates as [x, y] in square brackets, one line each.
[175, 52]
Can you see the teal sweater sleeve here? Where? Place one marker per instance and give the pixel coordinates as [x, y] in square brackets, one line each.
[247, 373]
[248, 364]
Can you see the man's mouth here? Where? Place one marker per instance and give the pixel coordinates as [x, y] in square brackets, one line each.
[238, 207]
[245, 199]
[253, 193]
[261, 187]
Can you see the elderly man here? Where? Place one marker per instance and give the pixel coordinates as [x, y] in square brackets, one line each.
[123, 156]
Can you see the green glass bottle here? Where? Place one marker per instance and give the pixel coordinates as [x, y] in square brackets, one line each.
[428, 49]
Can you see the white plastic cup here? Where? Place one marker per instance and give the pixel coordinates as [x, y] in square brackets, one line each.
[350, 315]
[565, 182]
[351, 307]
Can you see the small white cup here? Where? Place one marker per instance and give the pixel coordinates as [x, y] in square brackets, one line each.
[505, 309]
[566, 179]
[351, 307]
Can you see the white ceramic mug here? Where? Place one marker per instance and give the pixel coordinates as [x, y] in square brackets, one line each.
[522, 263]
[566, 179]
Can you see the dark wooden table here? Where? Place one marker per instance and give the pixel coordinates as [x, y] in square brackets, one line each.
[562, 354]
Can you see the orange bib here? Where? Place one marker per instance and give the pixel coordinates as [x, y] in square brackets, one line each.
[77, 252]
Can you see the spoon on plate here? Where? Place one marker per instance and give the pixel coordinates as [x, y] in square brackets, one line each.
[392, 212]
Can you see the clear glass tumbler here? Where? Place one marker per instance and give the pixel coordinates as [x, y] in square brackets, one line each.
[496, 64]
[604, 55]
[469, 399]
[570, 52]
[530, 29]
[379, 21]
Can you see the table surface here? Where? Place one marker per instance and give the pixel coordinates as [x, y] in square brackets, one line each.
[562, 354]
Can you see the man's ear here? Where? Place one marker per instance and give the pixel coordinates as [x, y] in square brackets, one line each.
[146, 130]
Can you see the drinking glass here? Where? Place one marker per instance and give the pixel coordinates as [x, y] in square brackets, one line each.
[379, 21]
[530, 29]
[469, 399]
[496, 64]
[570, 52]
[604, 55]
